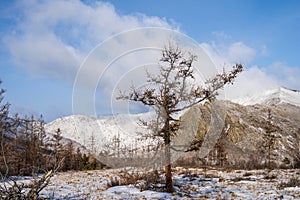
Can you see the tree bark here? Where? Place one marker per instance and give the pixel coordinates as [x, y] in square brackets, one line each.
[169, 183]
[168, 167]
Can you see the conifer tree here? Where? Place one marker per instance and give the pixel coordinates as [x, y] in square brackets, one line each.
[173, 90]
[58, 151]
[270, 138]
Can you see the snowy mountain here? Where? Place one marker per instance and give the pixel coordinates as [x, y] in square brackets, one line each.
[275, 96]
[97, 132]
[246, 121]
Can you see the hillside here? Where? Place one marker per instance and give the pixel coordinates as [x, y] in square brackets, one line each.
[242, 140]
[96, 133]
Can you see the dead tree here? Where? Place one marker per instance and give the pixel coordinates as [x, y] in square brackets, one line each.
[92, 142]
[173, 90]
[4, 128]
[20, 138]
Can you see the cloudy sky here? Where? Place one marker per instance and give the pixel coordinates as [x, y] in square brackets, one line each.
[46, 44]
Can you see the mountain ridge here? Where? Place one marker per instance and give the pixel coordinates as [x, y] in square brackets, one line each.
[246, 121]
[274, 96]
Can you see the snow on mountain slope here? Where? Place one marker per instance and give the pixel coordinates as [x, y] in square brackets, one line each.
[96, 132]
[272, 97]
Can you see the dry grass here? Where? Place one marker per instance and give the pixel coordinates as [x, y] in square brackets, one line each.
[293, 182]
[143, 180]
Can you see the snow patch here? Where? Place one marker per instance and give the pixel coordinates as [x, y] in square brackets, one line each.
[271, 97]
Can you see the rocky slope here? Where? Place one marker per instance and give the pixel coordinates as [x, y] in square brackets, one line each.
[242, 141]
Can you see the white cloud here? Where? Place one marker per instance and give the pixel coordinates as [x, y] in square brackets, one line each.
[252, 80]
[286, 75]
[51, 38]
[240, 53]
[54, 38]
[45, 55]
[224, 54]
[118, 63]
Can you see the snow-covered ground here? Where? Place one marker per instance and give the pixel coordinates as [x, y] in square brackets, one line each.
[188, 183]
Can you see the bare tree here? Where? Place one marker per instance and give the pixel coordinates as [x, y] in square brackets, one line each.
[12, 189]
[4, 128]
[21, 149]
[117, 141]
[92, 143]
[173, 90]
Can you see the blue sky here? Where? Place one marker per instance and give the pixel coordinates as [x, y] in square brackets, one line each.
[43, 43]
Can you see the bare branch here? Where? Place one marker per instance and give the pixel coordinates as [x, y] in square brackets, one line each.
[173, 90]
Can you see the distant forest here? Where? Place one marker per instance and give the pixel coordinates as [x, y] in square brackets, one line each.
[27, 150]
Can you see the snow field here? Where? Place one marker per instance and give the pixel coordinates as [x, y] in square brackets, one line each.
[188, 183]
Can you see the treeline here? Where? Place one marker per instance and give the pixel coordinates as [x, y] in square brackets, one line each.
[72, 157]
[25, 149]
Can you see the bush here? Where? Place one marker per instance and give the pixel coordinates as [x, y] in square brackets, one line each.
[142, 180]
[293, 182]
[21, 191]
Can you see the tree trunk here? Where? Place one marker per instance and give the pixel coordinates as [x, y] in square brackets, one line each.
[167, 140]
[269, 155]
[169, 183]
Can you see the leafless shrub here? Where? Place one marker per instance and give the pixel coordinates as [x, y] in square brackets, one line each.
[270, 176]
[237, 179]
[19, 190]
[210, 175]
[248, 174]
[114, 181]
[141, 179]
[12, 189]
[293, 182]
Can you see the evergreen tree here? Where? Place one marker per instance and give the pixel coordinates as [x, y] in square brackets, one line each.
[69, 161]
[270, 138]
[58, 151]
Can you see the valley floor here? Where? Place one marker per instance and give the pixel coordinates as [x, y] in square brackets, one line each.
[189, 183]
